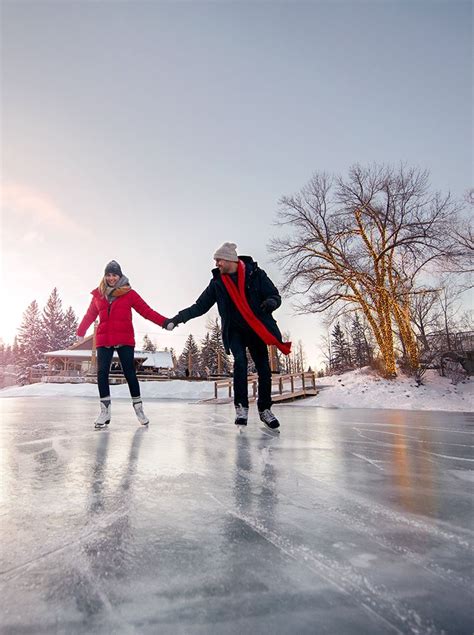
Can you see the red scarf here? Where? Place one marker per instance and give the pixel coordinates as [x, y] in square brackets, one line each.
[239, 298]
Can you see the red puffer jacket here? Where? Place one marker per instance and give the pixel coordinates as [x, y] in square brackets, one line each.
[115, 319]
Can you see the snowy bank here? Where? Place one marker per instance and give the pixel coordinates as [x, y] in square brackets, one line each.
[355, 389]
[363, 389]
[173, 389]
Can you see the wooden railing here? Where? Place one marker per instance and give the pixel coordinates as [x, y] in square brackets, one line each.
[283, 386]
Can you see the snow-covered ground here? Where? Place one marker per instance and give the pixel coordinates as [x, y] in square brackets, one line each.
[173, 389]
[363, 389]
[354, 389]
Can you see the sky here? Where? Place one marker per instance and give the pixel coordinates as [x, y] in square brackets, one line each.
[151, 132]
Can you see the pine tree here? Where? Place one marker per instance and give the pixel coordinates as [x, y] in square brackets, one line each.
[220, 363]
[361, 350]
[9, 357]
[207, 355]
[15, 355]
[70, 328]
[341, 358]
[30, 337]
[52, 324]
[173, 357]
[189, 358]
[148, 345]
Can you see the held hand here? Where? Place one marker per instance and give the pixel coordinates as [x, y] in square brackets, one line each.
[171, 323]
[268, 305]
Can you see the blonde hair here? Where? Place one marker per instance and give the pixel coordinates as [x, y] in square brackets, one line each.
[102, 287]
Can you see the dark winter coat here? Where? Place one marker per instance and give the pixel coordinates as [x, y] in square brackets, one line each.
[115, 318]
[258, 287]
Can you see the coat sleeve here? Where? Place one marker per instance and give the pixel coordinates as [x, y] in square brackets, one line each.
[91, 314]
[268, 289]
[146, 311]
[201, 306]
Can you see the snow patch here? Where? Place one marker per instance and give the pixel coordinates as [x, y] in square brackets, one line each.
[362, 389]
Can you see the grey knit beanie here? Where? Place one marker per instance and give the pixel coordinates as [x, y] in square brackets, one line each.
[113, 267]
[227, 251]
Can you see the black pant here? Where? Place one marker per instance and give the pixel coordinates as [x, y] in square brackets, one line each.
[126, 356]
[239, 341]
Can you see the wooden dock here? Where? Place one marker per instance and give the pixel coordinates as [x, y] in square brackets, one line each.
[284, 388]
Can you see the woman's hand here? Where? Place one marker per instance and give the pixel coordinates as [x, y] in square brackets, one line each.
[171, 323]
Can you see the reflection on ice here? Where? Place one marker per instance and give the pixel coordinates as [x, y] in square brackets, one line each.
[347, 522]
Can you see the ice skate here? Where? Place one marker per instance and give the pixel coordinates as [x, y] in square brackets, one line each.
[141, 416]
[104, 417]
[269, 420]
[241, 415]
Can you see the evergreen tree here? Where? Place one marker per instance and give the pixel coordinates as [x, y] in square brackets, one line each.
[6, 355]
[173, 357]
[30, 337]
[207, 355]
[189, 358]
[251, 368]
[70, 328]
[9, 357]
[361, 350]
[341, 357]
[148, 345]
[52, 324]
[15, 355]
[220, 357]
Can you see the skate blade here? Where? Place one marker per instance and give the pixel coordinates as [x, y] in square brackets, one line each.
[101, 426]
[272, 432]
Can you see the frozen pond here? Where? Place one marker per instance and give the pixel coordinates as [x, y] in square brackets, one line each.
[349, 521]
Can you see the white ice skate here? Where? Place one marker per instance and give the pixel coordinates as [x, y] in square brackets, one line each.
[104, 416]
[141, 416]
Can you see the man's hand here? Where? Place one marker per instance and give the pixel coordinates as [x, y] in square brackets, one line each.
[79, 339]
[269, 305]
[171, 323]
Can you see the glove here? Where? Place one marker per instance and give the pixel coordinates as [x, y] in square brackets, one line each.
[171, 323]
[269, 305]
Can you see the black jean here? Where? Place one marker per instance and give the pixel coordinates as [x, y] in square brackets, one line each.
[126, 356]
[239, 341]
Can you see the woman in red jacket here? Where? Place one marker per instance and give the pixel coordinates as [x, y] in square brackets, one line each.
[113, 302]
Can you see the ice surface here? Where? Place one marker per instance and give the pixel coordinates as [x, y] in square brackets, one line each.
[353, 521]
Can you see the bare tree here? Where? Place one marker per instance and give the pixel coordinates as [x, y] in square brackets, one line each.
[425, 315]
[363, 241]
[459, 258]
[450, 307]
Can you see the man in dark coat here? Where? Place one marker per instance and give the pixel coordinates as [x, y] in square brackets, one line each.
[246, 299]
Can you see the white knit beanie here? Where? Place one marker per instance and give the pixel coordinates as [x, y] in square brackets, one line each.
[227, 251]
